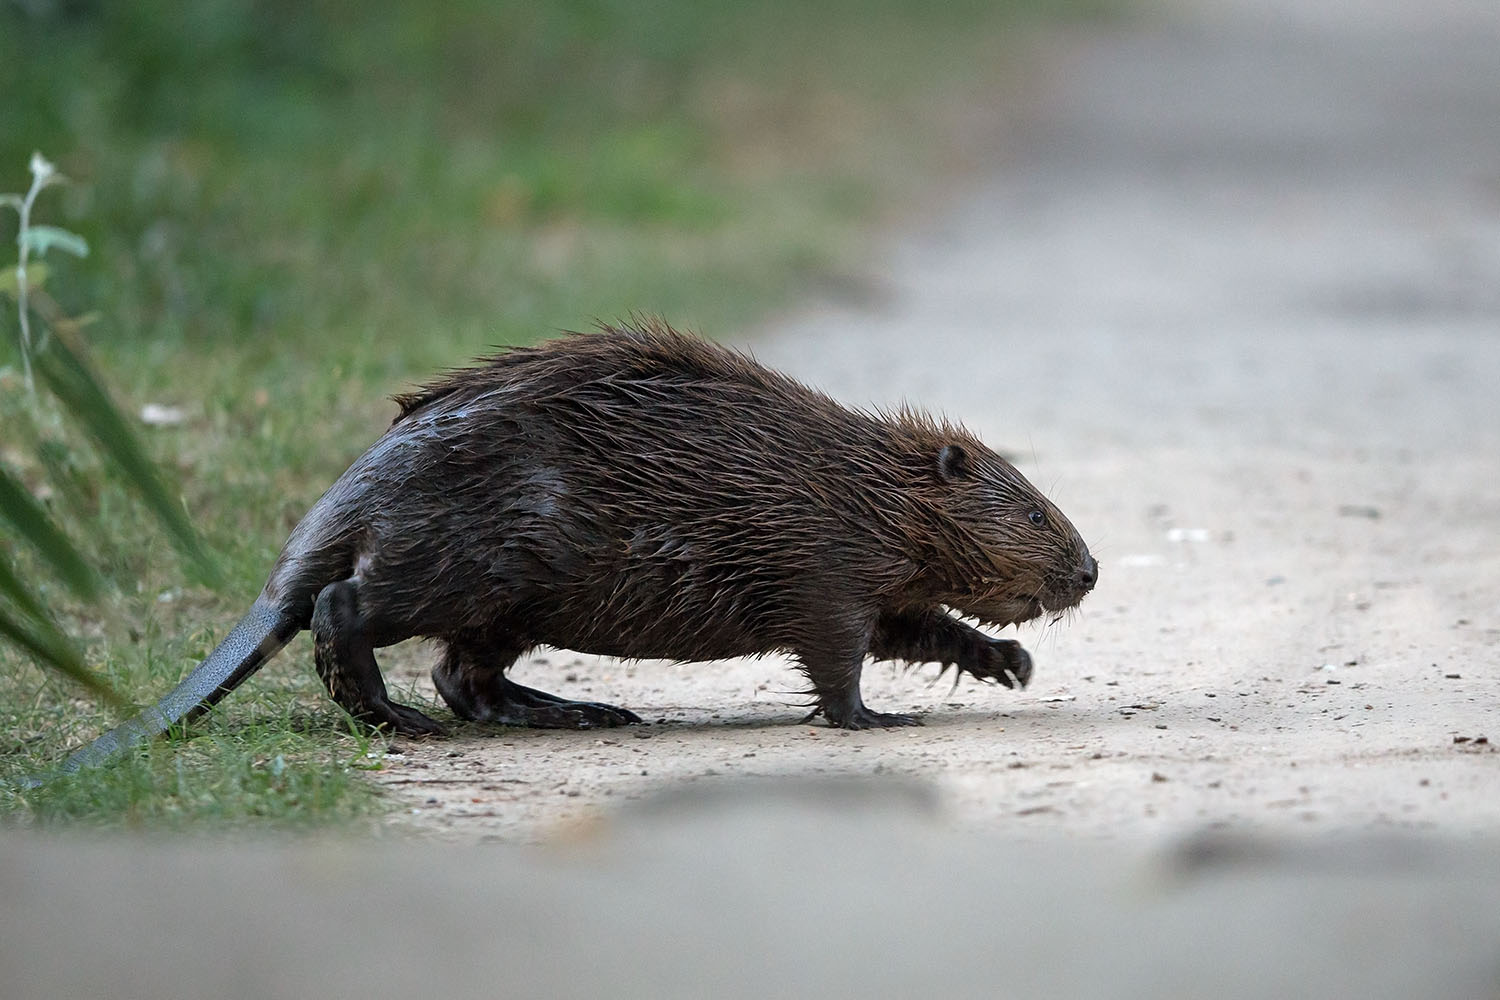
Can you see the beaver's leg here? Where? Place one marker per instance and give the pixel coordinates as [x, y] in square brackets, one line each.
[935, 637]
[471, 678]
[345, 658]
[834, 669]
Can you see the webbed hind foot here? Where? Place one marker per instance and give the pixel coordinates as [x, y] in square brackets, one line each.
[548, 711]
[564, 715]
[510, 704]
[480, 692]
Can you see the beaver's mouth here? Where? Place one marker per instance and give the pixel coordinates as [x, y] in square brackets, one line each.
[1061, 597]
[1002, 606]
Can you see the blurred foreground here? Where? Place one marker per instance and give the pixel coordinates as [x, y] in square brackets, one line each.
[793, 889]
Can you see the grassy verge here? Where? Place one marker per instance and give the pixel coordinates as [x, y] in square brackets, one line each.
[298, 209]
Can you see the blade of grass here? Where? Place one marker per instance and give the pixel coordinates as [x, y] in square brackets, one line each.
[70, 379]
[32, 523]
[42, 639]
[12, 587]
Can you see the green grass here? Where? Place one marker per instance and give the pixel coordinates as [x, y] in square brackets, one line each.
[299, 209]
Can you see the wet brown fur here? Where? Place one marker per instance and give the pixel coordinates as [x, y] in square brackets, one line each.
[641, 493]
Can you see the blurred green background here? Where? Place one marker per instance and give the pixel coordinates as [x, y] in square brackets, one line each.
[297, 209]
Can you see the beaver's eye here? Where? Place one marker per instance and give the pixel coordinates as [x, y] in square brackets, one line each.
[1037, 518]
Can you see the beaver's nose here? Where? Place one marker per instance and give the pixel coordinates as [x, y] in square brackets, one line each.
[1088, 573]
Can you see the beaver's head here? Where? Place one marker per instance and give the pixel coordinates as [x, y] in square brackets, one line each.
[1012, 555]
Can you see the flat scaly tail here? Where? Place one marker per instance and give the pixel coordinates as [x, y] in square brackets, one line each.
[257, 638]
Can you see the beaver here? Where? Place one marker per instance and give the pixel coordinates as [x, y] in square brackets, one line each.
[638, 492]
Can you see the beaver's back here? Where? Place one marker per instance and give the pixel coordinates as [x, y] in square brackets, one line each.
[640, 485]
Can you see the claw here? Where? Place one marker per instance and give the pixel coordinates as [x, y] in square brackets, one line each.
[1014, 668]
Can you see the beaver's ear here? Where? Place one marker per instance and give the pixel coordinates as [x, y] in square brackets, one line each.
[952, 462]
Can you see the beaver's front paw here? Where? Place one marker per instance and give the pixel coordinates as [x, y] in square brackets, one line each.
[1003, 661]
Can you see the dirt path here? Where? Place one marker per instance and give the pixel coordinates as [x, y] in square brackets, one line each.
[1233, 297]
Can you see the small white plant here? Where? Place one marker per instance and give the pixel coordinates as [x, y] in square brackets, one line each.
[35, 240]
